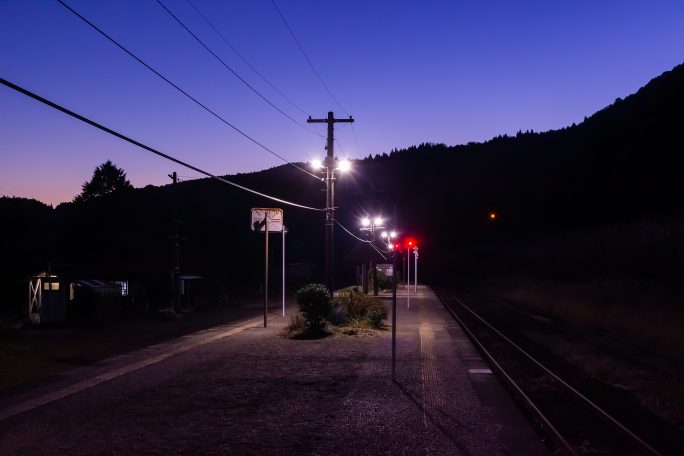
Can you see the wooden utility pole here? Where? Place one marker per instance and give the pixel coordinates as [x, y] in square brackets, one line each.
[176, 249]
[329, 165]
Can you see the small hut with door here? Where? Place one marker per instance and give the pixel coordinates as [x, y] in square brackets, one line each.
[56, 298]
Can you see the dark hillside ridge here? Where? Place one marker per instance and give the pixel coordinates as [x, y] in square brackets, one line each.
[622, 165]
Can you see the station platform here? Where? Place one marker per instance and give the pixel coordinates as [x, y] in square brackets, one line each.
[244, 389]
[445, 399]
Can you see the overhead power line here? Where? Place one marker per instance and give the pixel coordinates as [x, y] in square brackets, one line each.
[301, 49]
[123, 48]
[244, 59]
[147, 148]
[372, 244]
[352, 234]
[226, 66]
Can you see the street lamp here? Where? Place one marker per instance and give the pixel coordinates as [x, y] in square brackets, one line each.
[388, 236]
[330, 193]
[328, 167]
[344, 165]
[372, 224]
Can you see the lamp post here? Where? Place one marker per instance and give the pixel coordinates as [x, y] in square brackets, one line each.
[388, 236]
[373, 224]
[328, 168]
[330, 193]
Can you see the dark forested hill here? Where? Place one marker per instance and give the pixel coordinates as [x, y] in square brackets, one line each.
[621, 166]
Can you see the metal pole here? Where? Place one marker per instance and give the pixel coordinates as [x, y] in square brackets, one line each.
[415, 270]
[408, 278]
[394, 315]
[364, 278]
[266, 277]
[374, 265]
[284, 231]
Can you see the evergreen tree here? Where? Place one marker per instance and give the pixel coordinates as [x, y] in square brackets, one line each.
[107, 178]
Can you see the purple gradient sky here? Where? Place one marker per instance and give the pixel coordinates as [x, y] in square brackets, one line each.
[409, 72]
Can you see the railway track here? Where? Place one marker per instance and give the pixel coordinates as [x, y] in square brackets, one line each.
[573, 420]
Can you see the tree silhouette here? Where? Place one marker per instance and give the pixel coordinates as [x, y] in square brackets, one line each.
[107, 178]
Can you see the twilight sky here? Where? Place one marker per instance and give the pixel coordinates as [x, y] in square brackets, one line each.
[408, 71]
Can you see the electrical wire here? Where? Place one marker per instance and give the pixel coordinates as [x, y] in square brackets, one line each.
[226, 66]
[307, 57]
[147, 148]
[301, 49]
[372, 244]
[249, 64]
[352, 234]
[120, 46]
[379, 252]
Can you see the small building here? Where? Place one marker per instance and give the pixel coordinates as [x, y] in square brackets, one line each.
[386, 268]
[190, 288]
[56, 298]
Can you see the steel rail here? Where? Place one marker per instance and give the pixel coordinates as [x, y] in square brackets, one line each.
[555, 432]
[585, 399]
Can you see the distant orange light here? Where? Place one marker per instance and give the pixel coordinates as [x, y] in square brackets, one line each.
[492, 215]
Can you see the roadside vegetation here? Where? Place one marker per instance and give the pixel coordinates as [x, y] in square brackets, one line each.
[350, 312]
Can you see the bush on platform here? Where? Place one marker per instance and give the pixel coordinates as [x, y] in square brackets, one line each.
[315, 304]
[361, 310]
[351, 310]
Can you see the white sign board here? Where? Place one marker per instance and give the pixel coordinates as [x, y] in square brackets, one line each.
[262, 215]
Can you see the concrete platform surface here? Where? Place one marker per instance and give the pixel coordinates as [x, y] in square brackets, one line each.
[244, 389]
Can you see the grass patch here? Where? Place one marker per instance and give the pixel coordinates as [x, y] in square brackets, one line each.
[641, 312]
[643, 316]
[298, 328]
[360, 310]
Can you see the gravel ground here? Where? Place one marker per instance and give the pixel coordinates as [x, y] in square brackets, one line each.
[258, 393]
[32, 356]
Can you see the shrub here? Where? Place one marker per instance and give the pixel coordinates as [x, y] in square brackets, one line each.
[296, 327]
[363, 310]
[377, 312]
[315, 304]
[338, 315]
